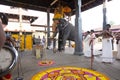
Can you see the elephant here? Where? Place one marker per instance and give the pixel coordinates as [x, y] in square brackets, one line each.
[66, 32]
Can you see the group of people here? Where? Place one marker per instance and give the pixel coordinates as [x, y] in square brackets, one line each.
[39, 46]
[88, 42]
[107, 37]
[39, 41]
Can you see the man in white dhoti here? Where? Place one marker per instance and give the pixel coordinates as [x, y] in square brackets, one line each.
[107, 56]
[87, 49]
[118, 45]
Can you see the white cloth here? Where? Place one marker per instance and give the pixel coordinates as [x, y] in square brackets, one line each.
[107, 55]
[87, 48]
[118, 49]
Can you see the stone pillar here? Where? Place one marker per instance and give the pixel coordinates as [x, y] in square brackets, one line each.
[104, 14]
[48, 27]
[78, 29]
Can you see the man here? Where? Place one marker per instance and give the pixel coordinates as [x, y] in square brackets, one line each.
[60, 36]
[58, 14]
[107, 56]
[86, 49]
[118, 45]
[3, 23]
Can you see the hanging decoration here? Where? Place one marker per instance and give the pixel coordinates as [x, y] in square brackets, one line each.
[62, 11]
[58, 13]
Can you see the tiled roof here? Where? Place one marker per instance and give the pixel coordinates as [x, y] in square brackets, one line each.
[113, 27]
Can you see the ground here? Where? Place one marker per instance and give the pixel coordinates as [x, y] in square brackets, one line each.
[29, 63]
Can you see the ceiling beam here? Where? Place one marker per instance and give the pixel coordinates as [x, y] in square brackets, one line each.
[35, 25]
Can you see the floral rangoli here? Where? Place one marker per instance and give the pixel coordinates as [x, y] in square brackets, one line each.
[69, 73]
[45, 63]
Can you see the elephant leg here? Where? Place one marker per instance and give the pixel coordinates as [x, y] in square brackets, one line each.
[60, 41]
[65, 37]
[54, 45]
[59, 45]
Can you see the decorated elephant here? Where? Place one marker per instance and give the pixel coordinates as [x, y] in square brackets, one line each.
[66, 32]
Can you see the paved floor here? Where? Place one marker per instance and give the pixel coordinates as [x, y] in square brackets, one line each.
[29, 64]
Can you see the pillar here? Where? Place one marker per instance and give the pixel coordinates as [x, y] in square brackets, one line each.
[104, 14]
[78, 29]
[48, 27]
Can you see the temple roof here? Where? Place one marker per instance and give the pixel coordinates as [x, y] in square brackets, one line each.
[43, 5]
